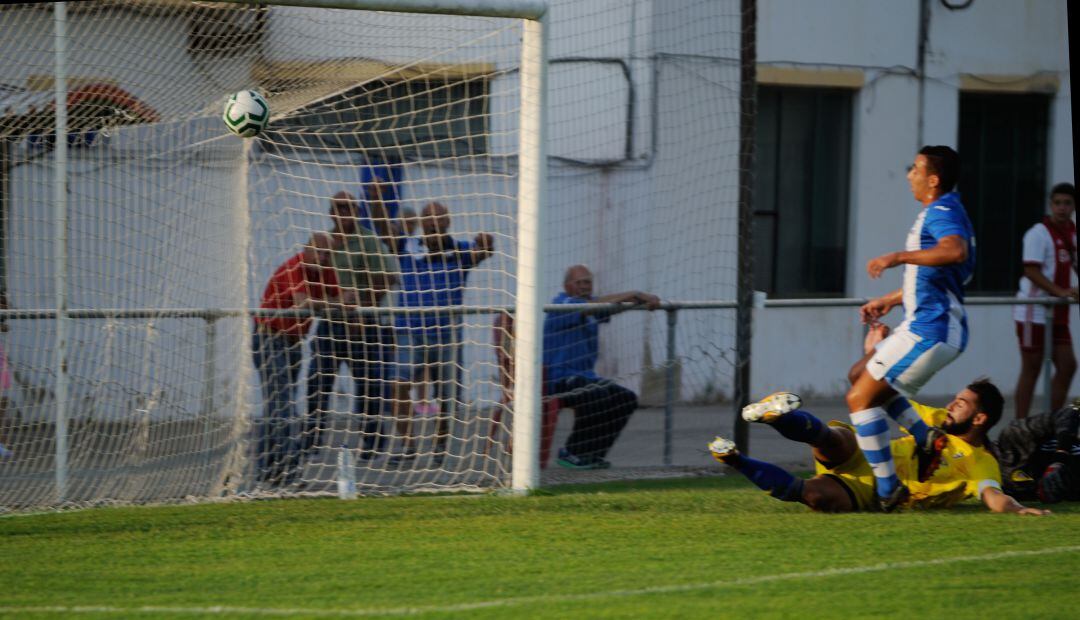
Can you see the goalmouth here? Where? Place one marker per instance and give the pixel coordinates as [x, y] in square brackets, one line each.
[532, 166]
[135, 259]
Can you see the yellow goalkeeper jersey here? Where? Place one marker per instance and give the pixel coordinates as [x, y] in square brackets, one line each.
[965, 471]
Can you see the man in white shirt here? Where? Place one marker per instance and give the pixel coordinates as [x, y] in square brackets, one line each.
[1049, 271]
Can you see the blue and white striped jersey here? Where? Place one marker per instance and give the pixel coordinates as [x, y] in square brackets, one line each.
[934, 296]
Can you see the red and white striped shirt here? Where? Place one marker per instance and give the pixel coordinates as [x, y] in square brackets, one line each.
[1053, 248]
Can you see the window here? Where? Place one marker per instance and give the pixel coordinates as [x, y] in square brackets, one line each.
[801, 191]
[407, 119]
[1003, 145]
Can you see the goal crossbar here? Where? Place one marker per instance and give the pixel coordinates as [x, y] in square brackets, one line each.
[520, 9]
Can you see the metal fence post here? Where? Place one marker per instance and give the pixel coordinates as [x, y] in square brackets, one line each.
[1048, 355]
[669, 383]
[209, 373]
[745, 285]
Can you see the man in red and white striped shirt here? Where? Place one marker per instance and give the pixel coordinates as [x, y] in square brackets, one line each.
[1049, 270]
[305, 281]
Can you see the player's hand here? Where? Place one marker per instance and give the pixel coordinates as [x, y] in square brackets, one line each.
[1038, 512]
[878, 265]
[1072, 294]
[873, 310]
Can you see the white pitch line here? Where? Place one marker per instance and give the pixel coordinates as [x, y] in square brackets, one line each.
[524, 600]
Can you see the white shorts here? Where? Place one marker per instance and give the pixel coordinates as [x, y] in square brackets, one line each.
[908, 361]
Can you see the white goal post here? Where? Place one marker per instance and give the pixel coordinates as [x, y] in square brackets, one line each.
[532, 158]
[121, 395]
[365, 280]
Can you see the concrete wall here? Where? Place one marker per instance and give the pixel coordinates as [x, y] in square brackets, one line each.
[811, 350]
[663, 219]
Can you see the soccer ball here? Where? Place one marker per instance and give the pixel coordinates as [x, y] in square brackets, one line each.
[246, 113]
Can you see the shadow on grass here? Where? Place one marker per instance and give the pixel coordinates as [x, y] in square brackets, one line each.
[667, 484]
[736, 482]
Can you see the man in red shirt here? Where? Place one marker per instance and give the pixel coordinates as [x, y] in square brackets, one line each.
[1049, 270]
[305, 281]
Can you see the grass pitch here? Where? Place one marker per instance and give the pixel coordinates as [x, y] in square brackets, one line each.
[675, 549]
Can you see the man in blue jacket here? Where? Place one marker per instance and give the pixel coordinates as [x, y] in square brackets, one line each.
[571, 345]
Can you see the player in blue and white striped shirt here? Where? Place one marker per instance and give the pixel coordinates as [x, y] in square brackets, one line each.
[938, 260]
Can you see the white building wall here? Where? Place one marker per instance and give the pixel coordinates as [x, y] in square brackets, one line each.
[649, 223]
[992, 38]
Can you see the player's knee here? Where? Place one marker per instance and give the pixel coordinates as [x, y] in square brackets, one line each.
[856, 399]
[867, 392]
[855, 373]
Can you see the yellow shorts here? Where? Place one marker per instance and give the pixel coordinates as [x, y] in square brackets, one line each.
[854, 474]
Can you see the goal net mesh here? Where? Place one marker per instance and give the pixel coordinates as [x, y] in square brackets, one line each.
[380, 201]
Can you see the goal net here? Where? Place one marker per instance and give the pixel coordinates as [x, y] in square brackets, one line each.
[330, 303]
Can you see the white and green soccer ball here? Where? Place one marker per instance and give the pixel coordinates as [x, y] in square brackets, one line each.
[246, 113]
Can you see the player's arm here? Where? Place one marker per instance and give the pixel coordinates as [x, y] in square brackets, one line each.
[1034, 273]
[949, 250]
[1038, 248]
[878, 307]
[997, 501]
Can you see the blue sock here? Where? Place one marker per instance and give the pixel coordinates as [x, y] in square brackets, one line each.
[900, 409]
[872, 435]
[801, 426]
[768, 477]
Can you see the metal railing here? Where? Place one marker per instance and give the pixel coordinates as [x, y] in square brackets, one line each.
[670, 308]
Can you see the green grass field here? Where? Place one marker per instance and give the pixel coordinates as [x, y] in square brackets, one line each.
[710, 547]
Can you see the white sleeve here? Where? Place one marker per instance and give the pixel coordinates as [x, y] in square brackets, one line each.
[1035, 245]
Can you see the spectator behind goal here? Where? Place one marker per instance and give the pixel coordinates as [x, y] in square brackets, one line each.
[571, 346]
[435, 278]
[304, 282]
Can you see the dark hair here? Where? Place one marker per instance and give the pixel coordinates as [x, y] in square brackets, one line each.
[1064, 188]
[991, 402]
[944, 163]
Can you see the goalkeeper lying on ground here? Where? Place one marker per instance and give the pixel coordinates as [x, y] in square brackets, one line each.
[962, 469]
[953, 466]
